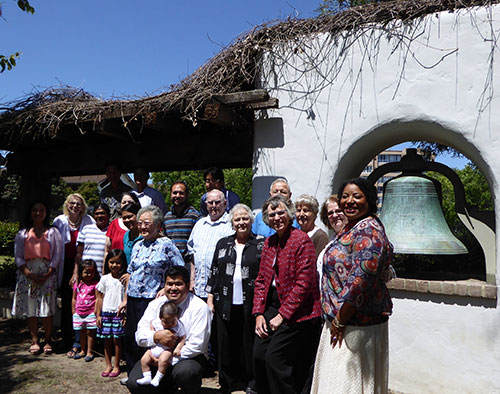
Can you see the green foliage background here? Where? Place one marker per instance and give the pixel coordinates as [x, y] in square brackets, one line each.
[239, 180]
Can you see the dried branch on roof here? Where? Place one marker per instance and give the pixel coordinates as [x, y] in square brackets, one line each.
[233, 69]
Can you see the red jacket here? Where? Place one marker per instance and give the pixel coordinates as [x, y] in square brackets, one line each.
[296, 279]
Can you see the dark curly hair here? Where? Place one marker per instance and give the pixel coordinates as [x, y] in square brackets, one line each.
[368, 190]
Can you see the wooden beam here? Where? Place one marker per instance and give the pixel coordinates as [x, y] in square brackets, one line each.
[218, 114]
[250, 96]
[271, 103]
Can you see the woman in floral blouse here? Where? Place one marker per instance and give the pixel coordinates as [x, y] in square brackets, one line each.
[353, 352]
[230, 286]
[150, 259]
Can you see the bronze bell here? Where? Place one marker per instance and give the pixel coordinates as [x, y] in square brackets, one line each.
[413, 218]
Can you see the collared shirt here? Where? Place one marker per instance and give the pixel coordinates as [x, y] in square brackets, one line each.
[194, 315]
[291, 263]
[148, 264]
[224, 270]
[231, 197]
[150, 196]
[178, 228]
[112, 197]
[201, 245]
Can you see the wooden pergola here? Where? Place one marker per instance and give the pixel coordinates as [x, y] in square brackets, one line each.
[133, 134]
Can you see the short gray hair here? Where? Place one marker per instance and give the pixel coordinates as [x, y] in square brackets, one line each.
[279, 180]
[156, 213]
[274, 202]
[310, 201]
[222, 196]
[239, 206]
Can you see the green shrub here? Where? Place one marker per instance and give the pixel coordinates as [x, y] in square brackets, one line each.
[8, 232]
[7, 271]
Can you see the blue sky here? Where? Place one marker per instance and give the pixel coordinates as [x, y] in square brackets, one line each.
[122, 48]
[127, 48]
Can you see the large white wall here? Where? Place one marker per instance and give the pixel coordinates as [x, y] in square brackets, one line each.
[437, 86]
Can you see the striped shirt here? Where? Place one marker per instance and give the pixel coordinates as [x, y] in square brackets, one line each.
[201, 245]
[178, 228]
[94, 241]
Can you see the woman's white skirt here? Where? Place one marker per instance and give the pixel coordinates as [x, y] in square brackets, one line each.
[35, 299]
[361, 365]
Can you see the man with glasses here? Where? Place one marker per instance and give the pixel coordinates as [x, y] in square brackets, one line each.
[214, 179]
[204, 237]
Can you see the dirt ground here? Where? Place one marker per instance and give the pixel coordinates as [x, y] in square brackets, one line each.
[49, 374]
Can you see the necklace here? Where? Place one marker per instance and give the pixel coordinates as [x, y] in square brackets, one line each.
[75, 224]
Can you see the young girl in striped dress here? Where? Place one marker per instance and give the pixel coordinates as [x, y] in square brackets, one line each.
[111, 300]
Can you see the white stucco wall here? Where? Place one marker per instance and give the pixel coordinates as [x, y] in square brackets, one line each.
[438, 87]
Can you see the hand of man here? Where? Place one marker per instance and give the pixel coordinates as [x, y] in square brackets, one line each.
[165, 337]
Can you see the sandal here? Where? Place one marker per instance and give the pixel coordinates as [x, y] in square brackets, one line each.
[47, 349]
[72, 352]
[78, 356]
[34, 348]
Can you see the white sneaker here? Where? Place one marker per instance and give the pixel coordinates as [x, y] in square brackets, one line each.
[123, 381]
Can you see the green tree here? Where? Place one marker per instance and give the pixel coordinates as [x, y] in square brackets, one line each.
[238, 180]
[90, 193]
[9, 188]
[9, 61]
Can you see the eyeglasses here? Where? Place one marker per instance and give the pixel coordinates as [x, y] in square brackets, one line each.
[75, 203]
[214, 202]
[144, 224]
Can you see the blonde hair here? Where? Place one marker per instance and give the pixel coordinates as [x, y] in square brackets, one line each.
[73, 195]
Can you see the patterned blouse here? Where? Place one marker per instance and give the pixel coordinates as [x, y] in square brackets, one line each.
[148, 264]
[353, 267]
[220, 278]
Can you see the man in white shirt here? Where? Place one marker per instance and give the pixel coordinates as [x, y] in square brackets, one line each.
[186, 370]
[146, 194]
[203, 239]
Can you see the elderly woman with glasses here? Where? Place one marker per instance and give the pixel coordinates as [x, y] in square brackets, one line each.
[286, 304]
[307, 208]
[230, 286]
[150, 259]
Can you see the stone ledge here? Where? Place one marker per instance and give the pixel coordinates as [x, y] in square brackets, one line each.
[464, 288]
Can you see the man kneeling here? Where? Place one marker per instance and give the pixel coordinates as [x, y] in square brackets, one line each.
[187, 368]
[160, 355]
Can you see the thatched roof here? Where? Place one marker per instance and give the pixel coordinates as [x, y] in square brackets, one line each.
[233, 69]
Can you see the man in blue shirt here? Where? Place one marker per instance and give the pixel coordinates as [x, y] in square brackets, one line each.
[214, 179]
[281, 187]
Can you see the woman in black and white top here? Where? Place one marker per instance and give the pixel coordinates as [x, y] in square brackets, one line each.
[230, 286]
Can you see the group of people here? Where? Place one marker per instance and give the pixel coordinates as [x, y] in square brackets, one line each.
[277, 304]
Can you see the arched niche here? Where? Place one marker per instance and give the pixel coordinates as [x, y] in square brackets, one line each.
[361, 151]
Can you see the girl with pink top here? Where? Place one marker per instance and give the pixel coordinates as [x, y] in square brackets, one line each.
[38, 253]
[84, 300]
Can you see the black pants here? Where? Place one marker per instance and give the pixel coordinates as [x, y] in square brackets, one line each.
[235, 350]
[284, 361]
[186, 374]
[135, 310]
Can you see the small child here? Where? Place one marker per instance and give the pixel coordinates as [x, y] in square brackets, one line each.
[83, 307]
[160, 355]
[111, 298]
